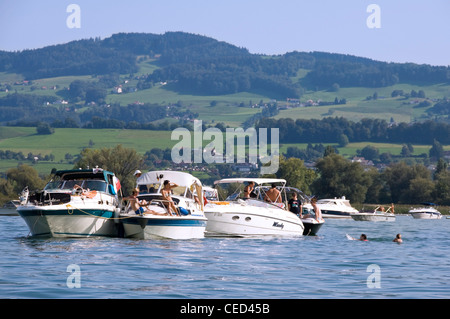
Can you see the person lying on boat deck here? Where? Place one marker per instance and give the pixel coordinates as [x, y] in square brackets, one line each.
[248, 190]
[295, 206]
[140, 207]
[316, 208]
[398, 239]
[77, 189]
[168, 202]
[273, 195]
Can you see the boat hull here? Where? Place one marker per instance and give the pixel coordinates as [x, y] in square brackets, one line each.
[252, 221]
[54, 221]
[335, 214]
[171, 227]
[8, 212]
[311, 228]
[373, 217]
[426, 215]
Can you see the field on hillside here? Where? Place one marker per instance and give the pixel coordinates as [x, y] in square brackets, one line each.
[235, 109]
[72, 141]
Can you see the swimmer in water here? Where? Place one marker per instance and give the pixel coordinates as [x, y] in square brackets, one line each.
[398, 239]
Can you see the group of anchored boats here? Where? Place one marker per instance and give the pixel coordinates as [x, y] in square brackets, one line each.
[88, 202]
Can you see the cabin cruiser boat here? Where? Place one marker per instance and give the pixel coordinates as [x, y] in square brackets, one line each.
[159, 221]
[377, 215]
[250, 216]
[336, 208]
[426, 212]
[74, 203]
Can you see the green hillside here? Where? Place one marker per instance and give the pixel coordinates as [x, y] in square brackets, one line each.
[192, 76]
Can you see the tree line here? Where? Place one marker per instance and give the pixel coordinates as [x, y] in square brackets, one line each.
[334, 176]
[333, 130]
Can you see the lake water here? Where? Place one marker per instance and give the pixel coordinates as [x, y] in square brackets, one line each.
[324, 266]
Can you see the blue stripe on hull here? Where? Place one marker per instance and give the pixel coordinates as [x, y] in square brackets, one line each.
[66, 212]
[165, 222]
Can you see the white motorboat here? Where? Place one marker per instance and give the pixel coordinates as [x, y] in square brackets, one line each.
[191, 222]
[377, 215]
[9, 208]
[250, 216]
[336, 208]
[74, 203]
[426, 212]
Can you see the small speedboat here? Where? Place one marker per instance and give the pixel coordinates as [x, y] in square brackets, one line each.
[252, 216]
[426, 212]
[159, 221]
[74, 203]
[377, 215]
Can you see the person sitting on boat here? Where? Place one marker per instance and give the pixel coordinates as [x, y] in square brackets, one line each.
[140, 207]
[295, 206]
[248, 190]
[316, 208]
[273, 195]
[166, 194]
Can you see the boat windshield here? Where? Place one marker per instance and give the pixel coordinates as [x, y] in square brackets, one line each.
[69, 185]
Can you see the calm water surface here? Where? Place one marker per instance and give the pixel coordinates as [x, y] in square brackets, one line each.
[324, 266]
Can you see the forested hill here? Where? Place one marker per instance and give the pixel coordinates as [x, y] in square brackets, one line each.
[203, 65]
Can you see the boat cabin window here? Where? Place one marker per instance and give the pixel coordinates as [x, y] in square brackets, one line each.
[95, 185]
[149, 188]
[69, 185]
[53, 185]
[179, 191]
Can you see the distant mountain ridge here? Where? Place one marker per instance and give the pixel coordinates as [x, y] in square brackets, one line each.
[203, 65]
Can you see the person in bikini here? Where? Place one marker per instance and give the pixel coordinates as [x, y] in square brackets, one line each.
[166, 194]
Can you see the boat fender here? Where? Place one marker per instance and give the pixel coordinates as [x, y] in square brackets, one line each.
[183, 211]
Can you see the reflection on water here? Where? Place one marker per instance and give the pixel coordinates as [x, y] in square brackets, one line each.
[323, 266]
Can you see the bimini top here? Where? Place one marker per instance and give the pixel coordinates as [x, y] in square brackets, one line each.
[158, 177]
[95, 173]
[249, 179]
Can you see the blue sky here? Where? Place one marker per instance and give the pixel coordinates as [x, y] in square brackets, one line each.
[411, 30]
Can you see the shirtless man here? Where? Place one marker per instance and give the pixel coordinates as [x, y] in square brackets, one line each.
[273, 195]
[168, 202]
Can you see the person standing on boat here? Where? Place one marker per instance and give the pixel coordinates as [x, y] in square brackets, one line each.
[273, 195]
[295, 206]
[166, 194]
[317, 210]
